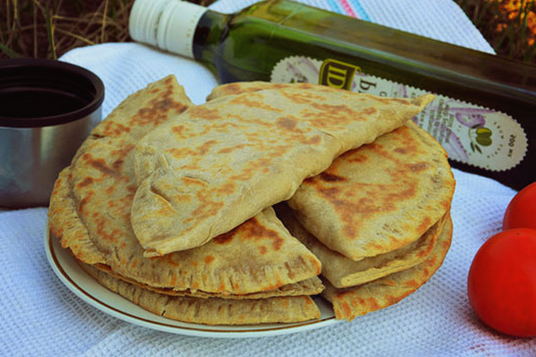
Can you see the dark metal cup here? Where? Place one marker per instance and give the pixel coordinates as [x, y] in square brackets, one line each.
[47, 109]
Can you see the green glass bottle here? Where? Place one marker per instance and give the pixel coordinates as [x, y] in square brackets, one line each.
[485, 111]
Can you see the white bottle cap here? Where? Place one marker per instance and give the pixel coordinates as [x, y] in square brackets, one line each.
[167, 24]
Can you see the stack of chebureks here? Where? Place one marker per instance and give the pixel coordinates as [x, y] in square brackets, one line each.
[170, 204]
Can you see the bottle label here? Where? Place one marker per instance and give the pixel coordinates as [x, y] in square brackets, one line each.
[471, 134]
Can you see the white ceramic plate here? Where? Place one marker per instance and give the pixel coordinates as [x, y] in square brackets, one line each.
[86, 288]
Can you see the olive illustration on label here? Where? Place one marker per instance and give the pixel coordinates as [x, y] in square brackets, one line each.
[483, 136]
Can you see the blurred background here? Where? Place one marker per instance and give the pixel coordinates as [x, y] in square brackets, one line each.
[49, 28]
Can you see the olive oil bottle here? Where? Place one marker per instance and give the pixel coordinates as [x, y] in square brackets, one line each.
[485, 111]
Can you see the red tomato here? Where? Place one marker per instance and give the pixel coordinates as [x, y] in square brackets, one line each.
[521, 211]
[502, 282]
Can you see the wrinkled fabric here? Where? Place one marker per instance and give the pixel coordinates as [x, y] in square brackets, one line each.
[40, 316]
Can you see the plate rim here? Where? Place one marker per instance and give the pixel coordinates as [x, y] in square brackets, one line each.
[129, 317]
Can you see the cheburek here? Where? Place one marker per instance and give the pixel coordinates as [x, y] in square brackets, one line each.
[222, 162]
[343, 272]
[356, 301]
[379, 197]
[212, 311]
[312, 286]
[90, 212]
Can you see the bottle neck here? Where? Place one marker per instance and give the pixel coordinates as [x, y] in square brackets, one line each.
[169, 25]
[211, 29]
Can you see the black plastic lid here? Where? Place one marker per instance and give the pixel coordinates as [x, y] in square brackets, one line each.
[39, 92]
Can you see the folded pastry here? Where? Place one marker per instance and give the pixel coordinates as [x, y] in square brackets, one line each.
[356, 301]
[311, 286]
[380, 197]
[210, 169]
[343, 272]
[375, 199]
[90, 214]
[212, 311]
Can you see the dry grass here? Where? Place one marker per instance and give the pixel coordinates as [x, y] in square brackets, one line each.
[508, 25]
[49, 28]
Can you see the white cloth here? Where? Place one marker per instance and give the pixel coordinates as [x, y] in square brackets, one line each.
[39, 316]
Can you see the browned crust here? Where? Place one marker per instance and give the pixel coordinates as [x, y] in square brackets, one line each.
[79, 215]
[311, 286]
[213, 311]
[65, 224]
[343, 272]
[352, 302]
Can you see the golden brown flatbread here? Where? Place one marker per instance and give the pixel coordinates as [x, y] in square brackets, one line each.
[311, 286]
[343, 272]
[222, 162]
[212, 311]
[101, 160]
[380, 197]
[401, 182]
[90, 214]
[252, 86]
[356, 301]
